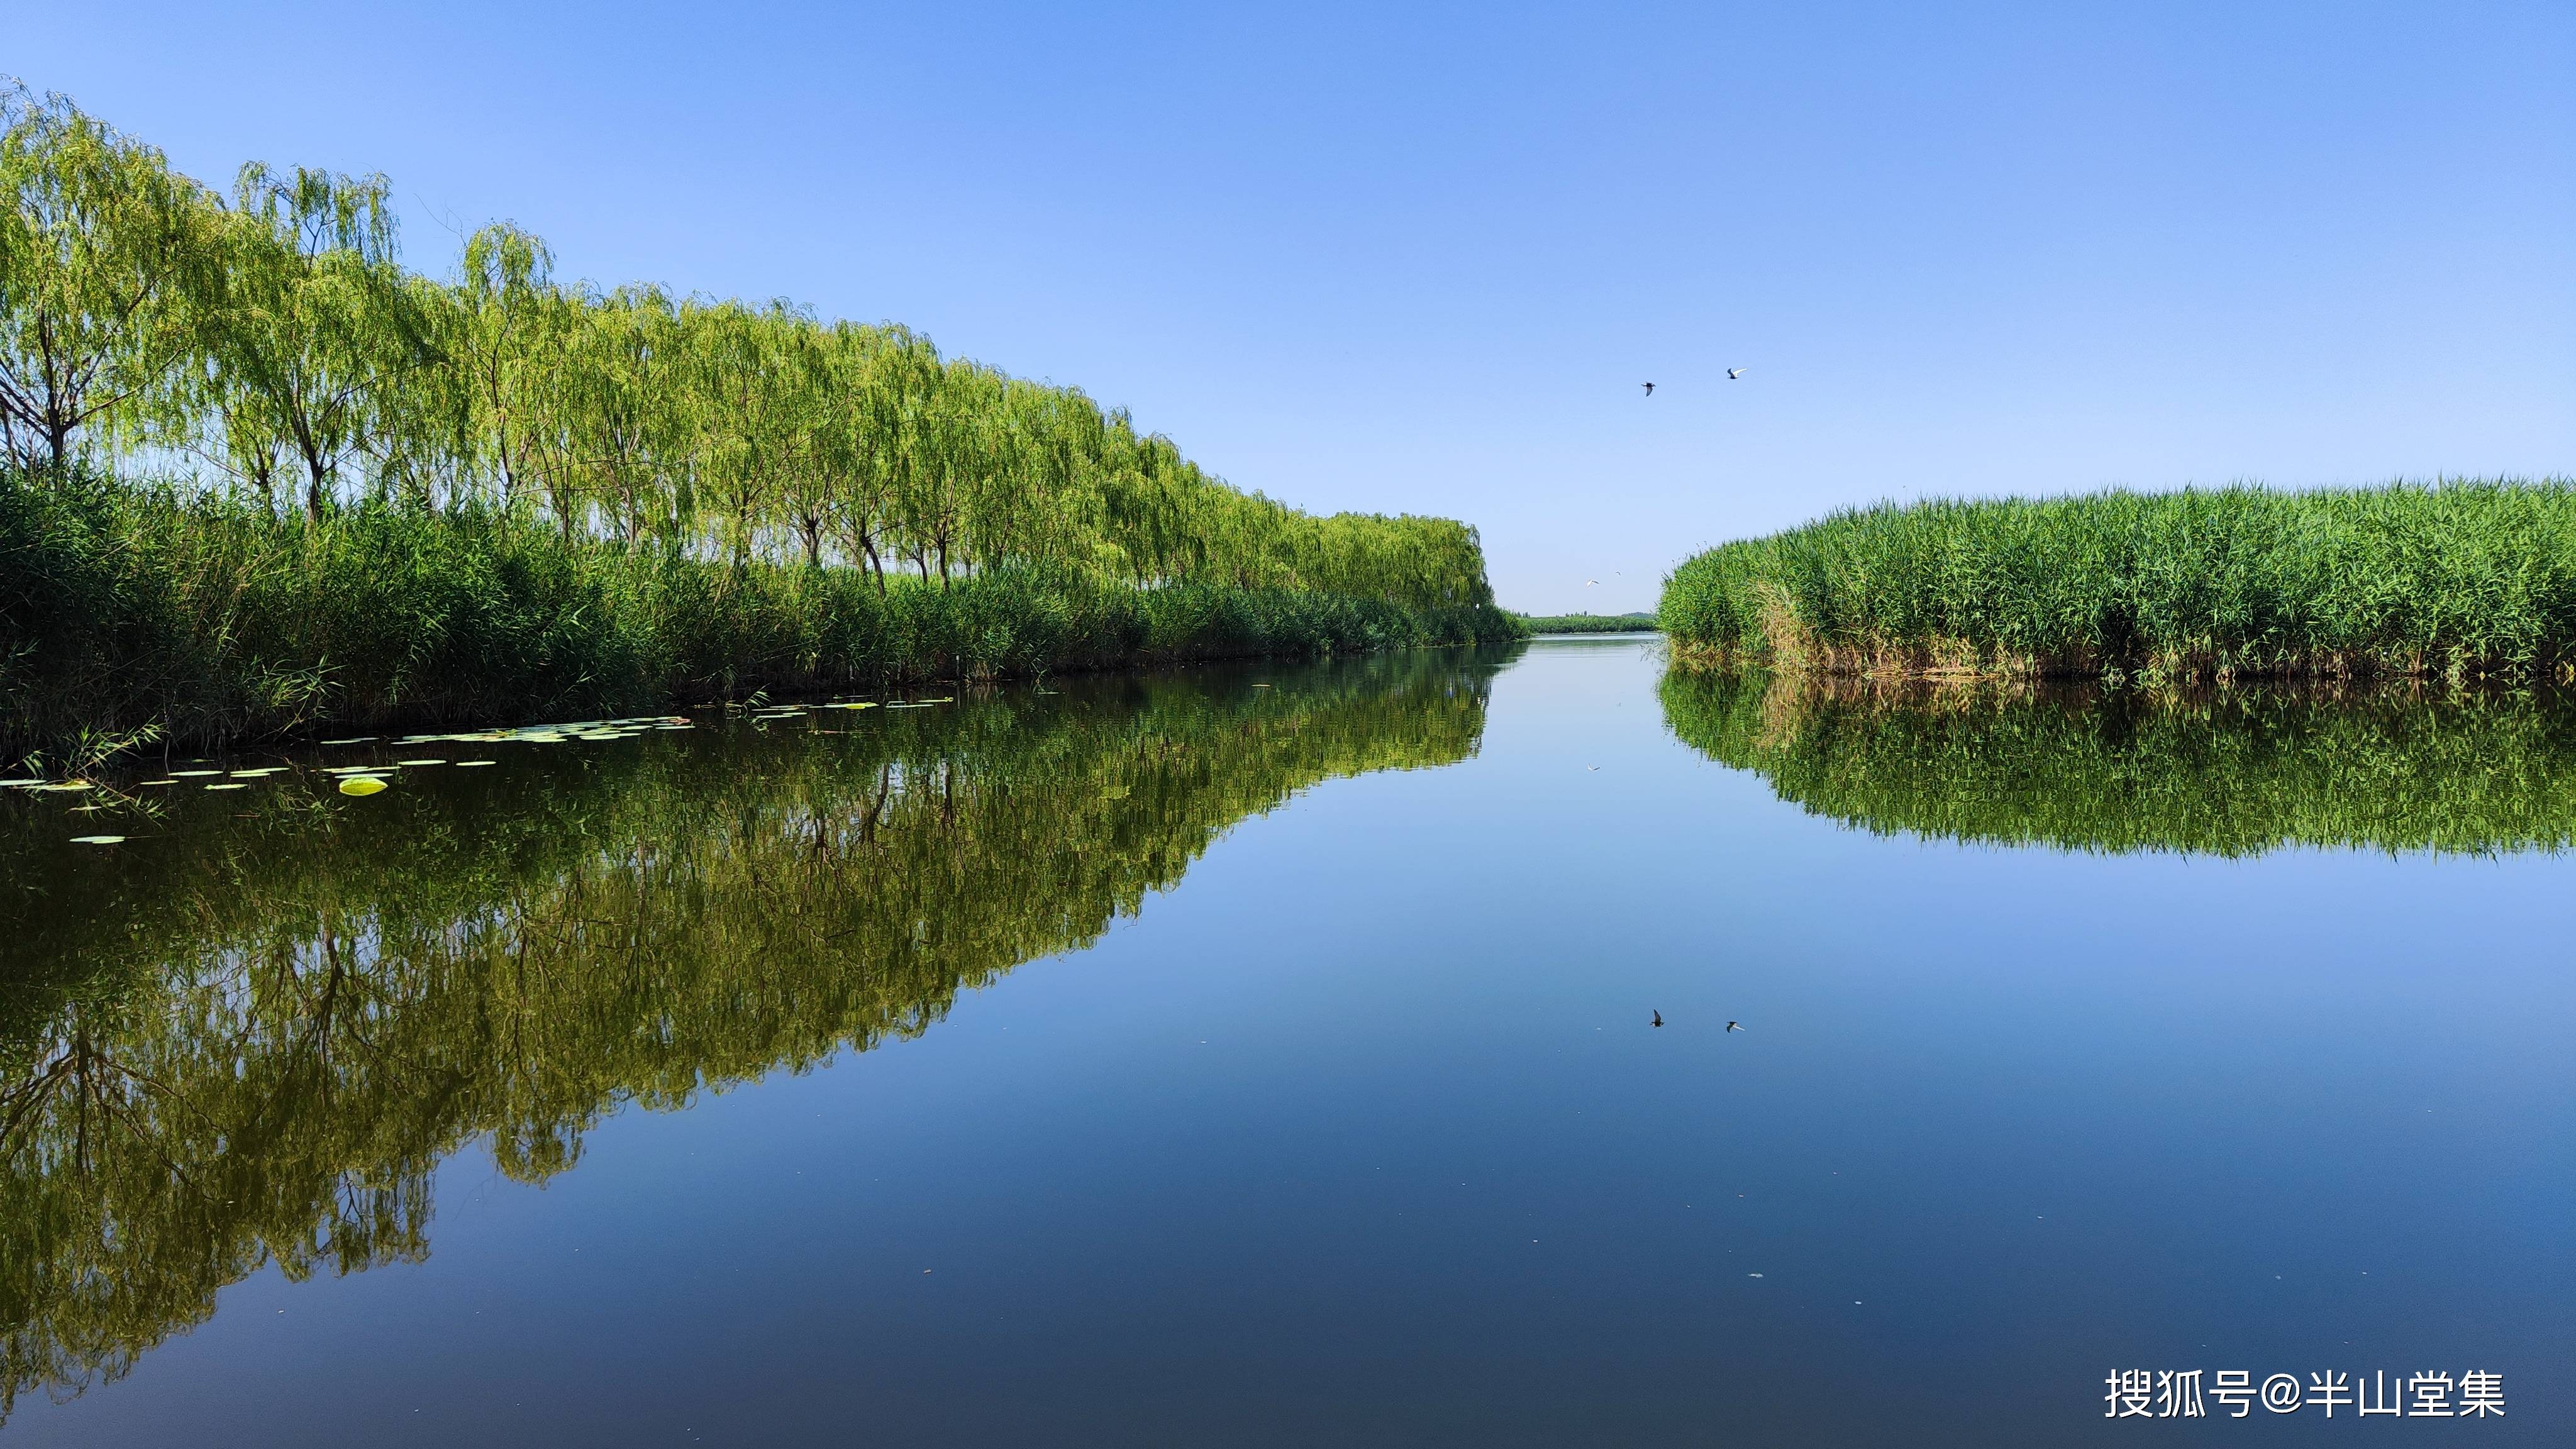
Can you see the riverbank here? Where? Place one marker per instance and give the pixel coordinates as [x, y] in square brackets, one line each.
[1588, 623]
[129, 617]
[2460, 580]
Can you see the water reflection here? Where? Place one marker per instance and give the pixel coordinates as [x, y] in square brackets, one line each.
[2230, 772]
[251, 1033]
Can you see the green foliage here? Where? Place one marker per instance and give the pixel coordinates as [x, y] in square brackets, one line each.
[519, 493]
[206, 618]
[2231, 772]
[100, 248]
[239, 1042]
[2461, 579]
[1588, 623]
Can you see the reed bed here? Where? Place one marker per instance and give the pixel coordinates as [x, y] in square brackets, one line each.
[129, 616]
[2456, 580]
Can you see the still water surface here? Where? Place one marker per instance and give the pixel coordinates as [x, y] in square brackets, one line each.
[1264, 1055]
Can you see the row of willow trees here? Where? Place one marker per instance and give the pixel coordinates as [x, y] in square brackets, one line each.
[269, 345]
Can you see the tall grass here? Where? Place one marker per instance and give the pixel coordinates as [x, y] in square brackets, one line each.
[2462, 579]
[129, 615]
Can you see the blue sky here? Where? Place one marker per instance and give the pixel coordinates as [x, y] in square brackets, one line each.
[1419, 258]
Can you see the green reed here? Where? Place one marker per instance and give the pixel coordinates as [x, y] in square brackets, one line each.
[127, 614]
[2219, 771]
[2457, 580]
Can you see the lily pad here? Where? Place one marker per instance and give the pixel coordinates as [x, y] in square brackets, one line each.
[192, 774]
[420, 762]
[97, 839]
[470, 764]
[362, 785]
[227, 787]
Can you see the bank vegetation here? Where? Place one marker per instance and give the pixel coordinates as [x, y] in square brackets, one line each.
[2453, 580]
[260, 474]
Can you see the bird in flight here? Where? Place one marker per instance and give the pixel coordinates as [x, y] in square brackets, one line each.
[1650, 389]
[1587, 583]
[1731, 1026]
[1733, 373]
[1659, 1018]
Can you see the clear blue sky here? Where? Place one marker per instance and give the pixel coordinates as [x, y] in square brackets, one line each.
[1419, 258]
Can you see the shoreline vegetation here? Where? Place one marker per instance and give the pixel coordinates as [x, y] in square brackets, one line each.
[1639, 623]
[258, 478]
[2231, 771]
[2457, 580]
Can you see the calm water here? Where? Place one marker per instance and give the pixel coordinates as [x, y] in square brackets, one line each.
[1263, 1056]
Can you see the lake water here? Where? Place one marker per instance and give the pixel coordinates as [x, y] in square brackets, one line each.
[1265, 1055]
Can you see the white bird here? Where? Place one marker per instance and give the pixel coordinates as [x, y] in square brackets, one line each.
[1733, 373]
[1587, 583]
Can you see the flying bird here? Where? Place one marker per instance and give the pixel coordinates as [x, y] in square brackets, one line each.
[1731, 1026]
[1659, 1018]
[1733, 373]
[1650, 389]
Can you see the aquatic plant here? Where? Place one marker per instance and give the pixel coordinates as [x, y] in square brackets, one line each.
[2454, 580]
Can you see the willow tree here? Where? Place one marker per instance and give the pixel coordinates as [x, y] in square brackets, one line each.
[314, 324]
[870, 367]
[509, 356]
[622, 414]
[100, 244]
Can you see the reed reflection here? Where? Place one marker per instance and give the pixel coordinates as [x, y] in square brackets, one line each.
[243, 1041]
[2227, 772]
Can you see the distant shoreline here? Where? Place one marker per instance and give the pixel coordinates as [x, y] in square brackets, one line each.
[1637, 623]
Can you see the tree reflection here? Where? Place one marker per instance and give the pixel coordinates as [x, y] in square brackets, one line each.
[252, 1041]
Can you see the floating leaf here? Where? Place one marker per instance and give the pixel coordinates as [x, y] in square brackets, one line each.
[420, 762]
[362, 785]
[352, 740]
[470, 764]
[192, 774]
[97, 839]
[227, 787]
